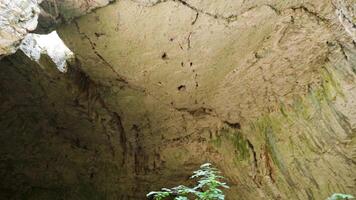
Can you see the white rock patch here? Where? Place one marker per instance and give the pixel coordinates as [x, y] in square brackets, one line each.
[17, 18]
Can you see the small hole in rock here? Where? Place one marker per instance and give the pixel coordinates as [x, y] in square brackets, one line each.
[181, 87]
[99, 34]
[164, 56]
[233, 125]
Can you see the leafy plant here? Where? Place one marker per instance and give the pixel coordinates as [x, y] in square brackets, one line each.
[340, 196]
[208, 188]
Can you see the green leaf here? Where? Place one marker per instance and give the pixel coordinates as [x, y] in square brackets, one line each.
[208, 188]
[340, 196]
[181, 198]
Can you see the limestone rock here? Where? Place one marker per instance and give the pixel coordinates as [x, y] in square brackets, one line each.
[346, 10]
[44, 114]
[55, 12]
[17, 18]
[264, 90]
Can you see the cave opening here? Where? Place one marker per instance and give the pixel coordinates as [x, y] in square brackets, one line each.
[33, 45]
[135, 95]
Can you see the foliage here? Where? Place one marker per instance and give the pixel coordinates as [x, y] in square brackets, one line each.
[339, 196]
[208, 188]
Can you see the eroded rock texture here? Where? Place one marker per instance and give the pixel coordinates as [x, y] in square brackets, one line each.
[55, 12]
[60, 141]
[17, 18]
[265, 90]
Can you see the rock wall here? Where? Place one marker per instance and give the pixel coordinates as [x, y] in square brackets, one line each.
[55, 12]
[58, 143]
[265, 90]
[20, 17]
[17, 18]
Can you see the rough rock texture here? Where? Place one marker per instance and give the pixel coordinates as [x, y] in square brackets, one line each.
[346, 10]
[263, 89]
[57, 142]
[17, 18]
[55, 12]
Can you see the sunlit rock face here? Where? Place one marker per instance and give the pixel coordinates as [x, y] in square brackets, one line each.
[346, 10]
[264, 90]
[17, 18]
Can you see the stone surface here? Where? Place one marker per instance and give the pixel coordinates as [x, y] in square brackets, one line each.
[346, 10]
[265, 90]
[55, 12]
[56, 146]
[17, 18]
